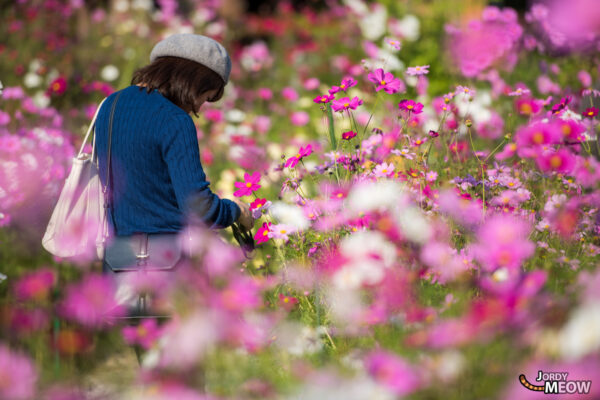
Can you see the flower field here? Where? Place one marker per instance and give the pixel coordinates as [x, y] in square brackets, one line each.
[425, 179]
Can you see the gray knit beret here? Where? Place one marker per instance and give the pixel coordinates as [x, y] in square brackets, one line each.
[201, 49]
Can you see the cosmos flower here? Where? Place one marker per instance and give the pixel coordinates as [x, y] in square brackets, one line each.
[384, 170]
[348, 135]
[419, 70]
[346, 103]
[250, 184]
[411, 106]
[262, 234]
[258, 207]
[323, 99]
[590, 112]
[346, 84]
[92, 301]
[18, 375]
[303, 152]
[145, 334]
[385, 81]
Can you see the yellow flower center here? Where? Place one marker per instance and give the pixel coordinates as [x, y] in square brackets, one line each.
[248, 184]
[538, 138]
[384, 171]
[383, 82]
[410, 107]
[346, 104]
[555, 161]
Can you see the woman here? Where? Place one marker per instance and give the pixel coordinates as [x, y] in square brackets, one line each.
[155, 176]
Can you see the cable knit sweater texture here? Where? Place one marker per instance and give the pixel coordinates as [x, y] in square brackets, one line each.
[157, 177]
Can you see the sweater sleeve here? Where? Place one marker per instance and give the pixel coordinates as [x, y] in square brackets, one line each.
[194, 197]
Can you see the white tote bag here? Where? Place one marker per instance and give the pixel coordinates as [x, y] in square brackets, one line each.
[78, 226]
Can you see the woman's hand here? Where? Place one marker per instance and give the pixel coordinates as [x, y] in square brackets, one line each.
[245, 220]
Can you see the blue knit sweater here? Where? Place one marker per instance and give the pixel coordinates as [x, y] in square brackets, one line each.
[157, 178]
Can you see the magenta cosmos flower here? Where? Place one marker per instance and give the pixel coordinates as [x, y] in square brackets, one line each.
[249, 185]
[262, 234]
[346, 103]
[385, 81]
[418, 70]
[346, 84]
[561, 161]
[411, 106]
[145, 334]
[303, 152]
[323, 99]
[590, 112]
[92, 302]
[18, 375]
[348, 135]
[393, 372]
[503, 242]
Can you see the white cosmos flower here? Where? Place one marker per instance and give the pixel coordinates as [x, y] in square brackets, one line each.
[235, 116]
[373, 25]
[109, 73]
[40, 99]
[581, 335]
[364, 244]
[32, 80]
[413, 224]
[371, 196]
[408, 28]
[289, 214]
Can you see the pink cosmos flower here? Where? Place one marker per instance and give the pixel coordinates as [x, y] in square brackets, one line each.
[405, 152]
[394, 43]
[323, 99]
[519, 92]
[346, 84]
[4, 219]
[289, 94]
[18, 375]
[431, 176]
[241, 294]
[465, 90]
[346, 103]
[537, 134]
[299, 118]
[393, 372]
[348, 135]
[503, 242]
[384, 170]
[287, 302]
[303, 152]
[419, 70]
[262, 234]
[311, 83]
[258, 207]
[91, 302]
[281, 231]
[250, 184]
[411, 106]
[4, 118]
[35, 285]
[572, 130]
[145, 334]
[561, 161]
[385, 81]
[528, 106]
[265, 93]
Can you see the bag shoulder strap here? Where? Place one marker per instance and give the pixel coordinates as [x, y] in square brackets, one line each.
[90, 129]
[108, 198]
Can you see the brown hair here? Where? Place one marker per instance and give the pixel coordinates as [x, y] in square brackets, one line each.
[180, 80]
